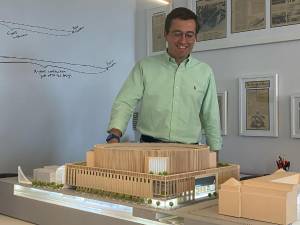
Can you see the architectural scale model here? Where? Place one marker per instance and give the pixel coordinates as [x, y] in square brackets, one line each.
[50, 174]
[271, 198]
[158, 171]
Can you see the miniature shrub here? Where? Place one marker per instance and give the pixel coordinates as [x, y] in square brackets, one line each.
[158, 203]
[222, 164]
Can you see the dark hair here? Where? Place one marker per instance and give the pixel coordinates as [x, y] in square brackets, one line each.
[183, 14]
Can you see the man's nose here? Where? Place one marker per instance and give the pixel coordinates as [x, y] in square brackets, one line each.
[183, 37]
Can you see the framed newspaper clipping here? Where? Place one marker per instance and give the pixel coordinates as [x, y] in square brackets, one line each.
[222, 100]
[258, 105]
[211, 17]
[234, 23]
[156, 42]
[285, 12]
[247, 15]
[295, 116]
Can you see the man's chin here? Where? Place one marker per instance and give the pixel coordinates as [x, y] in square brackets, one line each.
[183, 56]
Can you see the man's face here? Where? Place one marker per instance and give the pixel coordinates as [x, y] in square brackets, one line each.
[181, 38]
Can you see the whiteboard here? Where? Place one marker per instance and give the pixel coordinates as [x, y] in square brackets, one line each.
[61, 65]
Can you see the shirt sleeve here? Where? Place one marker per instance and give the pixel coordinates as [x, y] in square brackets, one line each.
[126, 100]
[210, 117]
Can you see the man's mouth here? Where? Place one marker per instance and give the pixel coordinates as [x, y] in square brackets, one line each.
[182, 47]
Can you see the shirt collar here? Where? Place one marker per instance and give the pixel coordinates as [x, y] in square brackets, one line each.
[170, 59]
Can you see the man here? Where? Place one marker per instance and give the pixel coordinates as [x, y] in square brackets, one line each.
[177, 92]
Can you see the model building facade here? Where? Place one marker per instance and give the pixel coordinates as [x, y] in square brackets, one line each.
[160, 171]
[271, 198]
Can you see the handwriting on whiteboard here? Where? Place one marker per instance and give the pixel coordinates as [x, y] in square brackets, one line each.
[52, 69]
[19, 30]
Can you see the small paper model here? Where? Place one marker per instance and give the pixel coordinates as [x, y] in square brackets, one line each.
[22, 179]
[50, 174]
[271, 198]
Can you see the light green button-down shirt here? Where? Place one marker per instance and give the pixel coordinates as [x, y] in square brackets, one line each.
[177, 102]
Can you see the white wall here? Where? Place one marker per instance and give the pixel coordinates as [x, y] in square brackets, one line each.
[254, 154]
[56, 120]
[258, 154]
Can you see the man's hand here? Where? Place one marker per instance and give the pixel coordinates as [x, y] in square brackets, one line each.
[114, 136]
[112, 141]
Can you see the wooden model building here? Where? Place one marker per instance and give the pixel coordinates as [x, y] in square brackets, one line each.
[155, 171]
[271, 198]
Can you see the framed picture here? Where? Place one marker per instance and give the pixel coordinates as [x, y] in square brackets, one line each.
[284, 12]
[156, 42]
[247, 15]
[295, 116]
[234, 23]
[222, 100]
[211, 17]
[258, 105]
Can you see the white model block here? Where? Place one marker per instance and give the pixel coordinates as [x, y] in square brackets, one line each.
[158, 164]
[60, 177]
[22, 179]
[50, 174]
[45, 175]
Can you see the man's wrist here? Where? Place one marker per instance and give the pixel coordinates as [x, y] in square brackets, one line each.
[115, 131]
[112, 136]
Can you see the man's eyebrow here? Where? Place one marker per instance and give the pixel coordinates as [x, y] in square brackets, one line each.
[189, 31]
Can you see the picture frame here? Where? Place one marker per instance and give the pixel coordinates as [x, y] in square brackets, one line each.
[222, 100]
[258, 105]
[156, 42]
[212, 18]
[269, 34]
[295, 116]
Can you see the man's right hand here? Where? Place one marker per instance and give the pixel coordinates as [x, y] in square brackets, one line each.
[114, 136]
[113, 140]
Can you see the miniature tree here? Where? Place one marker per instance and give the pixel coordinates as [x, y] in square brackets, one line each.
[149, 201]
[171, 204]
[165, 173]
[142, 200]
[209, 195]
[157, 203]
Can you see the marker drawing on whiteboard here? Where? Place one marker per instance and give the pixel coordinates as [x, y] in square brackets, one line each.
[54, 69]
[20, 30]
